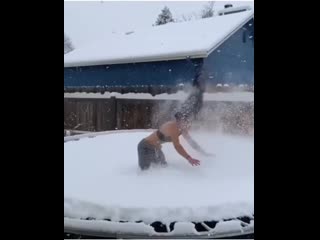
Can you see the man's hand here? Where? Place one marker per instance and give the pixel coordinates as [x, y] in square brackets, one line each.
[193, 162]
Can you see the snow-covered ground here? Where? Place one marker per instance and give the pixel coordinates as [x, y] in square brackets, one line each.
[222, 96]
[102, 180]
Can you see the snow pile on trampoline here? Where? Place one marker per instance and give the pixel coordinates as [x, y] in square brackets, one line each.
[102, 180]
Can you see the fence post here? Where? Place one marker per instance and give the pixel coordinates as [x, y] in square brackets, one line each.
[114, 112]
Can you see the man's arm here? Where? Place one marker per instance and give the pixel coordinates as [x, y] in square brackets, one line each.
[182, 152]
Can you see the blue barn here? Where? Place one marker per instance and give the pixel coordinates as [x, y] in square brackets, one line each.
[168, 55]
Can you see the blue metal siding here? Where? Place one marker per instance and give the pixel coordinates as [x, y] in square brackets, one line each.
[232, 62]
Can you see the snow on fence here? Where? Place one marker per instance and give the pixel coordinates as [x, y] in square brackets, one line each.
[93, 114]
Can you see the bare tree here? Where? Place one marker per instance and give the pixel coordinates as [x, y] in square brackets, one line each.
[68, 46]
[207, 10]
[188, 17]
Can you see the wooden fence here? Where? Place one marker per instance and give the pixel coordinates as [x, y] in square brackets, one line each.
[112, 113]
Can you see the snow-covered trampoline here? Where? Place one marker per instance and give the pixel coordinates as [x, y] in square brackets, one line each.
[105, 194]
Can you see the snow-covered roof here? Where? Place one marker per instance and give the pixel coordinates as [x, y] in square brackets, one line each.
[171, 41]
